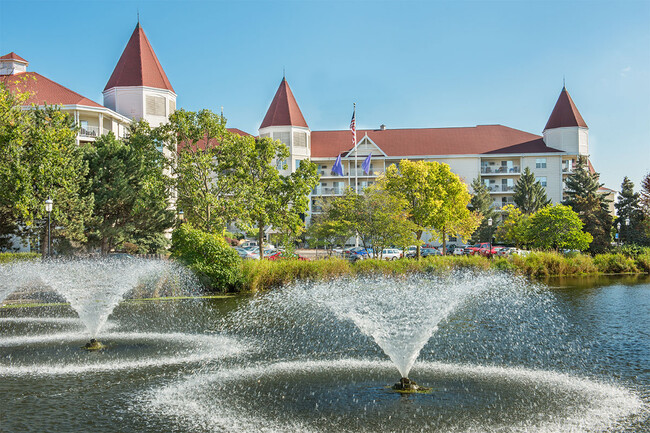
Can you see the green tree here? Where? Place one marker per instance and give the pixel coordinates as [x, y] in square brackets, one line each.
[482, 202]
[206, 188]
[514, 228]
[325, 230]
[131, 190]
[41, 159]
[377, 216]
[644, 201]
[557, 227]
[629, 214]
[529, 194]
[437, 199]
[592, 207]
[266, 197]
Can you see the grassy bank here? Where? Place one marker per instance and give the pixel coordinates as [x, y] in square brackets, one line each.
[264, 275]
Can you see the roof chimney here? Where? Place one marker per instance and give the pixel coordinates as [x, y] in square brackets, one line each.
[382, 127]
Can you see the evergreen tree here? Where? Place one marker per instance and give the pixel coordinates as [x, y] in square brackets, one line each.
[592, 207]
[481, 202]
[131, 191]
[530, 195]
[644, 202]
[629, 214]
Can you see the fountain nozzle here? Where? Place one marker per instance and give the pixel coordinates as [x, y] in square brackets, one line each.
[93, 345]
[406, 385]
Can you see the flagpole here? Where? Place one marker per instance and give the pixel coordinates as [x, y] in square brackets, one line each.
[356, 151]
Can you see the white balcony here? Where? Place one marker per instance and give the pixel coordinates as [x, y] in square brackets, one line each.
[89, 131]
[500, 170]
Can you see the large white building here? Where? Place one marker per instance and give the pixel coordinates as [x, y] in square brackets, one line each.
[497, 153]
[138, 88]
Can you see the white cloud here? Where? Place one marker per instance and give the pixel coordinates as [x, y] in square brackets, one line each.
[625, 70]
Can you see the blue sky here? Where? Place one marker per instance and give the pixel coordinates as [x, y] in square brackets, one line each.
[405, 64]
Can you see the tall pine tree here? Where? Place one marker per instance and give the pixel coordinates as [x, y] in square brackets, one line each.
[583, 197]
[644, 201]
[482, 202]
[530, 195]
[629, 214]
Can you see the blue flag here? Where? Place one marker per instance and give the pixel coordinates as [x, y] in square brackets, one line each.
[366, 164]
[337, 168]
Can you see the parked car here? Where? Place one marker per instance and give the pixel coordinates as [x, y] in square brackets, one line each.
[507, 251]
[459, 251]
[353, 256]
[489, 250]
[426, 252]
[391, 254]
[284, 255]
[246, 254]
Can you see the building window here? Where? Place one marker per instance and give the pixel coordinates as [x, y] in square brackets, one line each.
[172, 106]
[300, 139]
[297, 164]
[155, 105]
[541, 180]
[284, 137]
[282, 164]
[540, 163]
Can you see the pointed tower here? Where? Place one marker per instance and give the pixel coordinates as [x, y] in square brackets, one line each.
[566, 129]
[138, 87]
[12, 64]
[284, 121]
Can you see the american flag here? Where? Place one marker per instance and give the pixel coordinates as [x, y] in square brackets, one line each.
[353, 127]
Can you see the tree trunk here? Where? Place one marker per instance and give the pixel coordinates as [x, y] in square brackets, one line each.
[444, 241]
[418, 236]
[260, 238]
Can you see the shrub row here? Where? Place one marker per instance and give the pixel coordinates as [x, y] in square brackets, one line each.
[262, 275]
[18, 257]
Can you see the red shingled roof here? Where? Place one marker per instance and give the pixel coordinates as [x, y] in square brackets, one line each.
[565, 113]
[44, 91]
[138, 65]
[482, 139]
[284, 110]
[201, 144]
[13, 56]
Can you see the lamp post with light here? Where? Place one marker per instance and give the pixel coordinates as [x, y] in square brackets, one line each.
[48, 209]
[489, 221]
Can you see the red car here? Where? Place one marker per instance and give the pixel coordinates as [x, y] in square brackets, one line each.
[474, 249]
[489, 252]
[283, 255]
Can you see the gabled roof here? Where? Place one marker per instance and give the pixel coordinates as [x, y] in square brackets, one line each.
[138, 65]
[565, 113]
[284, 110]
[477, 140]
[44, 91]
[13, 56]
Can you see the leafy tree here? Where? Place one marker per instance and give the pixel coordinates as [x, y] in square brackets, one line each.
[41, 159]
[630, 215]
[131, 191]
[377, 216]
[437, 199]
[207, 191]
[325, 230]
[557, 227]
[266, 197]
[529, 194]
[592, 207]
[482, 202]
[514, 228]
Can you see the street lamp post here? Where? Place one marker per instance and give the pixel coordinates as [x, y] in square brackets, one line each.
[48, 209]
[618, 227]
[490, 239]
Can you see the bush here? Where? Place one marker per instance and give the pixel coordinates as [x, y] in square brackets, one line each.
[209, 256]
[643, 262]
[266, 274]
[18, 257]
[615, 263]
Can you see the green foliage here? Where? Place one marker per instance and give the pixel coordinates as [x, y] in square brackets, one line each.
[131, 191]
[41, 159]
[644, 202]
[18, 257]
[209, 256]
[514, 229]
[592, 207]
[267, 274]
[529, 194]
[482, 202]
[557, 227]
[437, 199]
[630, 215]
[543, 264]
[615, 263]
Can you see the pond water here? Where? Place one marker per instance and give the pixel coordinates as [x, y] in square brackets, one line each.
[563, 355]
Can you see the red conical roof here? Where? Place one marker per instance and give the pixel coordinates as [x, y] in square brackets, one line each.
[139, 65]
[284, 110]
[13, 56]
[565, 113]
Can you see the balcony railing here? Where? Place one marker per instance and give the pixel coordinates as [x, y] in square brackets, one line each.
[500, 170]
[566, 169]
[500, 206]
[500, 188]
[89, 131]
